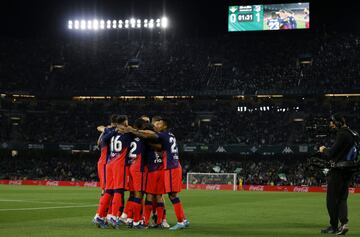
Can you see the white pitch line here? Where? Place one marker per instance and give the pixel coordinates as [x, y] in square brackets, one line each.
[45, 208]
[34, 201]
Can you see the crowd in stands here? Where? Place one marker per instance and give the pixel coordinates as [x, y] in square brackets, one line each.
[219, 122]
[249, 64]
[273, 170]
[107, 66]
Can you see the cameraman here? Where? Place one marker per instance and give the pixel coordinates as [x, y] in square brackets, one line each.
[340, 175]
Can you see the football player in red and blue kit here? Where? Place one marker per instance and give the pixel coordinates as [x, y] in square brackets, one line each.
[116, 172]
[172, 167]
[104, 148]
[137, 177]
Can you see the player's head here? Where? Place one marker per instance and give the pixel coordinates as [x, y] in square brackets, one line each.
[140, 124]
[290, 13]
[148, 125]
[114, 118]
[282, 13]
[274, 15]
[145, 118]
[337, 121]
[122, 120]
[160, 123]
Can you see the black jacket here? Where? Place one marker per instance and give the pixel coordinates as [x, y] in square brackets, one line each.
[343, 143]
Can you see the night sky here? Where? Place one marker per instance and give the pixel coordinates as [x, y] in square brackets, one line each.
[21, 18]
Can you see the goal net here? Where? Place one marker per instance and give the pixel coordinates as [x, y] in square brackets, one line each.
[211, 181]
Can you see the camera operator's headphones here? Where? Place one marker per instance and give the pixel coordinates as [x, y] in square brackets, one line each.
[338, 120]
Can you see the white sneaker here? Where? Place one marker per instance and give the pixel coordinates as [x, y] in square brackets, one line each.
[165, 224]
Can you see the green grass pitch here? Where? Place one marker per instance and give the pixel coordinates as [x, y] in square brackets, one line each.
[67, 211]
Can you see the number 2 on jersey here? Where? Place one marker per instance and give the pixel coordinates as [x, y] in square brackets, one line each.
[174, 148]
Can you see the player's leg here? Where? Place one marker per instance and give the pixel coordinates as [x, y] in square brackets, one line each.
[159, 209]
[138, 186]
[164, 223]
[119, 185]
[173, 183]
[137, 204]
[128, 213]
[101, 176]
[148, 208]
[106, 199]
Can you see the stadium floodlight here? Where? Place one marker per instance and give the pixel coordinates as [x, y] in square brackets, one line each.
[83, 24]
[76, 24]
[70, 25]
[95, 24]
[132, 22]
[89, 25]
[151, 23]
[102, 24]
[164, 22]
[146, 23]
[138, 23]
[157, 22]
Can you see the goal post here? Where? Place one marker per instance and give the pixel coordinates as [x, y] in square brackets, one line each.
[211, 181]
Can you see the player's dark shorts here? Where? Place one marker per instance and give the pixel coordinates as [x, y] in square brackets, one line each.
[137, 180]
[116, 175]
[155, 182]
[173, 180]
[101, 167]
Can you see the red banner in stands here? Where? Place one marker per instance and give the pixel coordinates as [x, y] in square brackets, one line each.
[50, 183]
[259, 188]
[210, 186]
[299, 189]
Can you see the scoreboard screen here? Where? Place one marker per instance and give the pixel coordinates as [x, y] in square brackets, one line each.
[287, 16]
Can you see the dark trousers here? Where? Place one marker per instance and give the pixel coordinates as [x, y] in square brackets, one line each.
[337, 195]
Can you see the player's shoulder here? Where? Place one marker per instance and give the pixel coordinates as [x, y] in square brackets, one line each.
[109, 129]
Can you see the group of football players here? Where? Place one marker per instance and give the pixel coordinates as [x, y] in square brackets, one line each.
[142, 159]
[284, 19]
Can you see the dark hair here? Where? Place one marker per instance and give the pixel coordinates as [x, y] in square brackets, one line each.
[156, 118]
[118, 119]
[274, 15]
[140, 123]
[113, 118]
[338, 119]
[122, 118]
[159, 118]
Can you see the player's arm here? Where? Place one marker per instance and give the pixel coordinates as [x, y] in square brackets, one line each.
[107, 136]
[147, 134]
[101, 128]
[99, 139]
